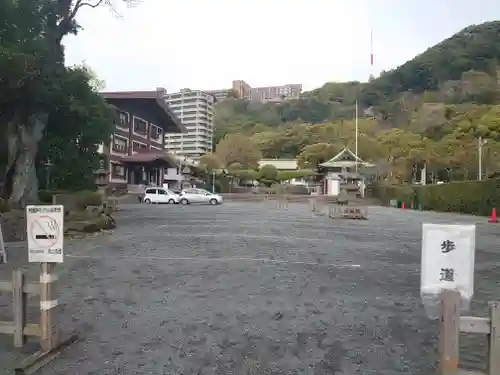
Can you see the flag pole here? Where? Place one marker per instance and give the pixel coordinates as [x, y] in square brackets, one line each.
[356, 141]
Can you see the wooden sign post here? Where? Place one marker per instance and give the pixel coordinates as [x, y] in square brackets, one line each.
[48, 303]
[45, 246]
[3, 252]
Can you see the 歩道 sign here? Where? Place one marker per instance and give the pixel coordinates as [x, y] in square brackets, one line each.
[45, 227]
[447, 261]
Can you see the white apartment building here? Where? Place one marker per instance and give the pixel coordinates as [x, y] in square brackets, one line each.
[195, 110]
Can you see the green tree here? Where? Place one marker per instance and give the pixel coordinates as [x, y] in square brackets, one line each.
[210, 162]
[268, 174]
[73, 150]
[315, 154]
[33, 83]
[235, 148]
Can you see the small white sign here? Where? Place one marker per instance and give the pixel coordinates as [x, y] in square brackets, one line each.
[45, 232]
[3, 252]
[448, 259]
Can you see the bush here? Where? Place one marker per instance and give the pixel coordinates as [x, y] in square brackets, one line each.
[4, 206]
[45, 196]
[88, 198]
[268, 172]
[471, 197]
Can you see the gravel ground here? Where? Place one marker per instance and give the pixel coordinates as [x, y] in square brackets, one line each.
[247, 288]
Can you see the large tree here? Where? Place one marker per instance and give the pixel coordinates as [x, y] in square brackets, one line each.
[33, 83]
[236, 148]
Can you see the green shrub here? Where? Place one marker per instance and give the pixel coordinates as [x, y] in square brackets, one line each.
[471, 197]
[88, 198]
[268, 172]
[4, 206]
[45, 196]
[387, 192]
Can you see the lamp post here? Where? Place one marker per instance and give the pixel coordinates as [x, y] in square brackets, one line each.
[480, 143]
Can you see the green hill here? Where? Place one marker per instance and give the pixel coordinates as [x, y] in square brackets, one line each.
[433, 107]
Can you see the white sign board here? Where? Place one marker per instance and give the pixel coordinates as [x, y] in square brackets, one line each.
[3, 252]
[448, 259]
[45, 227]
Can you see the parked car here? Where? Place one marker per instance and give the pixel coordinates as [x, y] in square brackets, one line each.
[194, 195]
[160, 195]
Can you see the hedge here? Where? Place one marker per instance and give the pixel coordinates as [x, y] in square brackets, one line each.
[471, 197]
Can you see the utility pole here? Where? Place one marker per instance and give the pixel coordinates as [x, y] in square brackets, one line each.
[480, 143]
[356, 147]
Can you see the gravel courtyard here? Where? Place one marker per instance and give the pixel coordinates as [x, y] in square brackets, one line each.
[247, 288]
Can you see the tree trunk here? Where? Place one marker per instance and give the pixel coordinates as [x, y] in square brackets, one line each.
[21, 182]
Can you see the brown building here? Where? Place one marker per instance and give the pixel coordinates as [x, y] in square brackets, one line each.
[136, 153]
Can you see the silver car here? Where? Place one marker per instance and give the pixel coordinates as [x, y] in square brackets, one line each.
[195, 195]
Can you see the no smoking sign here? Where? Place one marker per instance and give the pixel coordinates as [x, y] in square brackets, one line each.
[45, 227]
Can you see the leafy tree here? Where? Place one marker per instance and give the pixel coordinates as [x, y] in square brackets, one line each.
[268, 174]
[315, 154]
[235, 148]
[210, 162]
[33, 83]
[72, 150]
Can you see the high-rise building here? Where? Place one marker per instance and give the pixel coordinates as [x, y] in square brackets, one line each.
[195, 110]
[269, 93]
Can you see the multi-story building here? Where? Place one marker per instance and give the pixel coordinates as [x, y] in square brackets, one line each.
[242, 89]
[135, 153]
[269, 93]
[195, 110]
[220, 94]
[275, 93]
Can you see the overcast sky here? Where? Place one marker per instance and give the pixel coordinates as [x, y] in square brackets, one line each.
[205, 44]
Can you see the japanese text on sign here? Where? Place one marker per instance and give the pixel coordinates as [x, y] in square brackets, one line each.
[45, 230]
[448, 259]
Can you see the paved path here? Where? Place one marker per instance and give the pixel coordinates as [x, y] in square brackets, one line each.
[245, 288]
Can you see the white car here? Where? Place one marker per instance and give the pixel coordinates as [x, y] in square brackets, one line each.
[194, 195]
[160, 195]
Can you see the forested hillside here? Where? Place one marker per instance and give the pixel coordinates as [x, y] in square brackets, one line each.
[431, 109]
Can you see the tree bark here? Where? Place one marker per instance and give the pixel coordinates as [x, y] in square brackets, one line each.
[21, 182]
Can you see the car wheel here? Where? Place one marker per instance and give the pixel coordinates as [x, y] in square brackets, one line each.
[171, 201]
[147, 200]
[184, 201]
[213, 201]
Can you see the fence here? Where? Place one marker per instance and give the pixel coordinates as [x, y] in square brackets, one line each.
[338, 211]
[20, 290]
[451, 326]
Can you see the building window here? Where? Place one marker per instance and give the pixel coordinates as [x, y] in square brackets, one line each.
[156, 133]
[139, 147]
[140, 127]
[118, 172]
[120, 144]
[122, 120]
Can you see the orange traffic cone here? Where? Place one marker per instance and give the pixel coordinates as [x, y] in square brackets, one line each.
[493, 218]
[403, 205]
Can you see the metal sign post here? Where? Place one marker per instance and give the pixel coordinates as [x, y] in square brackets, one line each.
[45, 227]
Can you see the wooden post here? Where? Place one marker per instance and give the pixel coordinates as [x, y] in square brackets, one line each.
[48, 337]
[494, 340]
[449, 333]
[19, 305]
